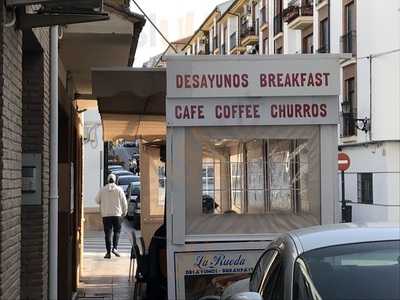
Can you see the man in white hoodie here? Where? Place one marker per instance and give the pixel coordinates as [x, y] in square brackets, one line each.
[113, 206]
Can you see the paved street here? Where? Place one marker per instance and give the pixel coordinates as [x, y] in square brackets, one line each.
[105, 279]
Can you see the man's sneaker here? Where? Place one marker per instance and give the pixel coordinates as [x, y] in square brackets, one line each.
[108, 255]
[116, 253]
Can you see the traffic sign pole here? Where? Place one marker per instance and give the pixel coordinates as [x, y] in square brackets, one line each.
[343, 199]
[343, 165]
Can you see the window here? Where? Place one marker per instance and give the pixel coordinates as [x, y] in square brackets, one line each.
[349, 108]
[308, 44]
[350, 23]
[324, 36]
[359, 271]
[273, 285]
[266, 46]
[278, 20]
[278, 46]
[251, 176]
[349, 44]
[365, 188]
[261, 269]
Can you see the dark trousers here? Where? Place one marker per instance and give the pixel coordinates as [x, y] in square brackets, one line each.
[112, 224]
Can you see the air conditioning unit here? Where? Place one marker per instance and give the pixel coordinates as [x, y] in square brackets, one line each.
[58, 12]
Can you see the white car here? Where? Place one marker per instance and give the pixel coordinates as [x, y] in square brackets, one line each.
[335, 262]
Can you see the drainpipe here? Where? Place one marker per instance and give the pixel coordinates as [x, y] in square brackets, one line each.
[370, 98]
[53, 222]
[329, 27]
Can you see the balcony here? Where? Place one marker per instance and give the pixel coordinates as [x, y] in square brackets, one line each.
[233, 41]
[223, 49]
[321, 3]
[298, 15]
[248, 35]
[215, 43]
[348, 124]
[278, 24]
[349, 43]
[323, 49]
[204, 48]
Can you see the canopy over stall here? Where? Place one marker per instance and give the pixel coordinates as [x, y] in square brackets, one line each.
[131, 102]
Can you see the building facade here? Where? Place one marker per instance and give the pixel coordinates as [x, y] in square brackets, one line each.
[24, 130]
[369, 130]
[25, 106]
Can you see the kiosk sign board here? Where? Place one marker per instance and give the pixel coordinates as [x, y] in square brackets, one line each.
[259, 111]
[200, 77]
[252, 149]
[275, 91]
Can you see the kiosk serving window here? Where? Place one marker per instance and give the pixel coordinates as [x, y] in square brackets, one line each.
[248, 180]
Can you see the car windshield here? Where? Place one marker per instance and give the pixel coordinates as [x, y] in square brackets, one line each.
[364, 271]
[125, 180]
[135, 188]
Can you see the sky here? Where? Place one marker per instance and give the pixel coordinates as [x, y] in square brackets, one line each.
[175, 18]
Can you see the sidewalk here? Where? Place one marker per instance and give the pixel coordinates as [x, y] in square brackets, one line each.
[103, 278]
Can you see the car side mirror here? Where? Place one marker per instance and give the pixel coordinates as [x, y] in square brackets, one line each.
[247, 296]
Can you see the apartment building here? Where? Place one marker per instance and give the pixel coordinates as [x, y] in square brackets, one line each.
[369, 130]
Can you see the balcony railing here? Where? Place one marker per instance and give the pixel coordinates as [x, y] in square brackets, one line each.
[348, 122]
[318, 2]
[297, 9]
[223, 49]
[323, 49]
[278, 24]
[246, 30]
[349, 43]
[215, 43]
[204, 48]
[233, 41]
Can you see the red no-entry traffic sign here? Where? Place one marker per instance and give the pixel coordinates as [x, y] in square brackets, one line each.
[343, 161]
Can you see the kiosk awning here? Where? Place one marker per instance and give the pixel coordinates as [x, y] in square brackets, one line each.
[131, 102]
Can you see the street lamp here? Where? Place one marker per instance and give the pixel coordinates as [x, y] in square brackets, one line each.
[361, 124]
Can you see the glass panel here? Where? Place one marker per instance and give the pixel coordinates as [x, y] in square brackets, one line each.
[279, 173]
[253, 175]
[156, 182]
[360, 271]
[162, 183]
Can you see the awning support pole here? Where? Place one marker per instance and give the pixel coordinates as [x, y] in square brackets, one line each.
[53, 222]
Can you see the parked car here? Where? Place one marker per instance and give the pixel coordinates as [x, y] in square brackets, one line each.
[133, 191]
[119, 173]
[133, 197]
[113, 168]
[335, 262]
[130, 145]
[124, 181]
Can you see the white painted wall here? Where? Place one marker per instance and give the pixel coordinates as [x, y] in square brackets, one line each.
[93, 159]
[378, 31]
[382, 159]
[336, 24]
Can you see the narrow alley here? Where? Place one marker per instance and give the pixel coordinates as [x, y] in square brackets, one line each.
[103, 278]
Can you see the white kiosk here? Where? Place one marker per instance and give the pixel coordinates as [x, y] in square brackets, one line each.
[251, 153]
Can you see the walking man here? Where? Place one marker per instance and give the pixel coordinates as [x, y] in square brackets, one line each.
[113, 207]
